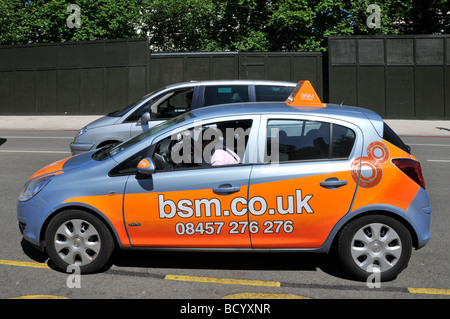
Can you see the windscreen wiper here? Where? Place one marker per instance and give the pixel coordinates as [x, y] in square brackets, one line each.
[103, 153]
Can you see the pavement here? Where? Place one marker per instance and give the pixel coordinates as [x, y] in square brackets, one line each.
[436, 128]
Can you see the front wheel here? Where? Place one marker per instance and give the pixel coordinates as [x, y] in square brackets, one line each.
[78, 238]
[374, 243]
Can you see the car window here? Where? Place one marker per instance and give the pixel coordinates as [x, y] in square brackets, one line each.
[117, 149]
[129, 166]
[212, 144]
[124, 111]
[136, 115]
[225, 94]
[296, 140]
[343, 140]
[266, 93]
[390, 136]
[172, 104]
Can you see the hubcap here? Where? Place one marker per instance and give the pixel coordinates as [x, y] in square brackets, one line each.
[376, 246]
[77, 242]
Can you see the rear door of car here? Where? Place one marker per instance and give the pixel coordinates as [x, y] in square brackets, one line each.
[303, 184]
[168, 104]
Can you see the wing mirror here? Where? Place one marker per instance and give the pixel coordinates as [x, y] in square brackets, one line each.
[146, 166]
[145, 118]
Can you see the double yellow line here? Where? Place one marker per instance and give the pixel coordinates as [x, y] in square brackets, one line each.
[229, 281]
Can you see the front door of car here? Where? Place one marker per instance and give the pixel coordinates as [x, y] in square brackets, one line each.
[161, 108]
[188, 202]
[304, 186]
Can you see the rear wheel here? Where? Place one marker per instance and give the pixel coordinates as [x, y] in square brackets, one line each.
[372, 244]
[78, 238]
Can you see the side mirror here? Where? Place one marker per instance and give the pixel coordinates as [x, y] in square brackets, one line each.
[145, 118]
[146, 166]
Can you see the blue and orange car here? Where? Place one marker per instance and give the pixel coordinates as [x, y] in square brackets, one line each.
[299, 175]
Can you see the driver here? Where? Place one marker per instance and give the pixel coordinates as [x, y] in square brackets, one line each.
[215, 153]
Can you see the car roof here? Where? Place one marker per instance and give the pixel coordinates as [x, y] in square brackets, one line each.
[343, 112]
[229, 82]
[364, 118]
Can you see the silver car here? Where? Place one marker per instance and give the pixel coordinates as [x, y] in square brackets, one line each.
[170, 101]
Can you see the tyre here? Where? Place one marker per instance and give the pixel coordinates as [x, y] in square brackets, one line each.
[78, 238]
[374, 243]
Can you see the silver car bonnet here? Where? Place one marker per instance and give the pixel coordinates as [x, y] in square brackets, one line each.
[103, 121]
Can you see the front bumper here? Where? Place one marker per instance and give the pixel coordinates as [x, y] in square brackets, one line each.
[77, 148]
[31, 216]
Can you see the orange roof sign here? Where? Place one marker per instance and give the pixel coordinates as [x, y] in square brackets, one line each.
[304, 95]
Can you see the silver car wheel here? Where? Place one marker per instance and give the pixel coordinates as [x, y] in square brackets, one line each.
[374, 246]
[76, 241]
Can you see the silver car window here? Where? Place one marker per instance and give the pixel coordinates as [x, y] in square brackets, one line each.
[268, 93]
[172, 104]
[224, 94]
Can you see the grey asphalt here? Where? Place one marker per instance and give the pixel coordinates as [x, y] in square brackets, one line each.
[76, 122]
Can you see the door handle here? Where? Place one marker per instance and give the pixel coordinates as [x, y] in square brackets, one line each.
[333, 183]
[226, 189]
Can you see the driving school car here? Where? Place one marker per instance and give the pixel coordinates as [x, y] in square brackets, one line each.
[306, 176]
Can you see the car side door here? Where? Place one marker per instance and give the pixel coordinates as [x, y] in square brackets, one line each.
[189, 203]
[302, 185]
[162, 107]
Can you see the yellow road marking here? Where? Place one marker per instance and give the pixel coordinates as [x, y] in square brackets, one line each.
[227, 281]
[23, 264]
[429, 291]
[39, 297]
[256, 295]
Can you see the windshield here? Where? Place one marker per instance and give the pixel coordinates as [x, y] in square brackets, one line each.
[108, 152]
[124, 111]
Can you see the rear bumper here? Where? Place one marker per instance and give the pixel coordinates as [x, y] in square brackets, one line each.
[419, 216]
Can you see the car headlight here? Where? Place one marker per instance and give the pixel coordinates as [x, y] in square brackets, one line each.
[34, 187]
[82, 131]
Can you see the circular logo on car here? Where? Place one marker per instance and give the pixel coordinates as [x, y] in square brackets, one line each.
[367, 170]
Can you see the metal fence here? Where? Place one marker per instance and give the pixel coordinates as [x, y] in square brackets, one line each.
[168, 68]
[102, 76]
[397, 76]
[72, 78]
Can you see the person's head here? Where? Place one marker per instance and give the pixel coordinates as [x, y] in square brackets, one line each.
[189, 98]
[210, 136]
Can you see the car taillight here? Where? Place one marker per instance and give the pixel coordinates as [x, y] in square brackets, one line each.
[410, 168]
